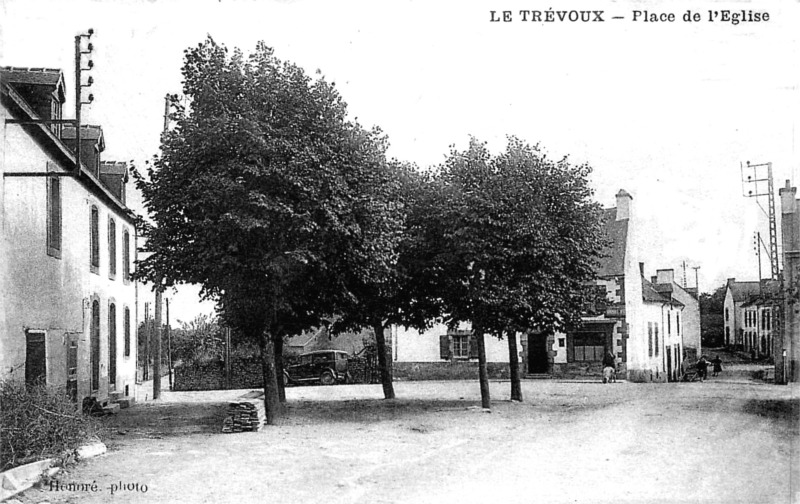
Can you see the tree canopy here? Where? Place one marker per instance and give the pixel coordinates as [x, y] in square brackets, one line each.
[266, 194]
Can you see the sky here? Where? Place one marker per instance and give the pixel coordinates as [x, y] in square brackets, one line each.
[668, 111]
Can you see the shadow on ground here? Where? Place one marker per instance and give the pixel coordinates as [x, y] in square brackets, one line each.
[785, 411]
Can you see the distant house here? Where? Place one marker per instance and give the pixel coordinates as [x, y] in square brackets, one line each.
[736, 295]
[68, 305]
[648, 326]
[759, 314]
[321, 339]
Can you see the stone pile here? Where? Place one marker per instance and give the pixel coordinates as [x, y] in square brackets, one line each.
[244, 416]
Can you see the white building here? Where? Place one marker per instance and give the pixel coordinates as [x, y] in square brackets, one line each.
[67, 315]
[648, 326]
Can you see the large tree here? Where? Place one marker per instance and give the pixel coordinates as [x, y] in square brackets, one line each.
[267, 196]
[712, 325]
[405, 296]
[518, 238]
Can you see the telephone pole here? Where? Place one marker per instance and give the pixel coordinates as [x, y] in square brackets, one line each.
[759, 184]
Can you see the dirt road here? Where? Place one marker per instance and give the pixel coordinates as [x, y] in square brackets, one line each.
[568, 442]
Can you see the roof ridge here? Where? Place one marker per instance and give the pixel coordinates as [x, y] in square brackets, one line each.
[30, 69]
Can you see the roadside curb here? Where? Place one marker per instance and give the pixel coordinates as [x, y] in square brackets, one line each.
[22, 478]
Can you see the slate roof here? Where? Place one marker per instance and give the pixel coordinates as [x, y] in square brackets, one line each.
[616, 231]
[650, 293]
[114, 168]
[41, 76]
[743, 291]
[88, 131]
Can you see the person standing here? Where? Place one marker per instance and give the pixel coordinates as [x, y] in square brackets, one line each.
[609, 368]
[717, 362]
[702, 368]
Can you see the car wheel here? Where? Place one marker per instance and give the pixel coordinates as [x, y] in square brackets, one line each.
[327, 378]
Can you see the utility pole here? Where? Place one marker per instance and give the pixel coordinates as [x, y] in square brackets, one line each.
[159, 291]
[169, 347]
[78, 98]
[696, 279]
[683, 265]
[157, 356]
[759, 179]
[146, 373]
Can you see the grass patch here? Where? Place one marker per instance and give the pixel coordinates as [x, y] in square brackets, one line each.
[38, 422]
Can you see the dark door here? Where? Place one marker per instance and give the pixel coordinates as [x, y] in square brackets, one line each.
[537, 353]
[112, 347]
[669, 364]
[95, 344]
[72, 368]
[35, 363]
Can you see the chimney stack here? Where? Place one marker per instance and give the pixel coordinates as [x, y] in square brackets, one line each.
[665, 276]
[788, 201]
[624, 204]
[641, 269]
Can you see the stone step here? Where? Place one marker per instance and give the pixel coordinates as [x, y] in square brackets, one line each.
[538, 376]
[111, 409]
[125, 401]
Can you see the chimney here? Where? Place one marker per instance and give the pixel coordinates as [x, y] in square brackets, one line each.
[788, 201]
[641, 269]
[731, 281]
[653, 279]
[665, 276]
[624, 204]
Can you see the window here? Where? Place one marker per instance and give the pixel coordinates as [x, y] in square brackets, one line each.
[678, 324]
[728, 335]
[727, 314]
[54, 216]
[655, 327]
[112, 248]
[669, 323]
[588, 347]
[649, 339]
[95, 346]
[112, 345]
[461, 347]
[126, 256]
[127, 331]
[562, 342]
[95, 241]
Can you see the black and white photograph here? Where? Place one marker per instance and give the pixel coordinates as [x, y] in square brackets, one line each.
[302, 251]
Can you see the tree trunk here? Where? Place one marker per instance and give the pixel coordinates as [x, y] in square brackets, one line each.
[279, 368]
[483, 373]
[272, 403]
[513, 363]
[384, 360]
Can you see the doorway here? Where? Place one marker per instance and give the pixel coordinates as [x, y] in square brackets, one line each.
[538, 361]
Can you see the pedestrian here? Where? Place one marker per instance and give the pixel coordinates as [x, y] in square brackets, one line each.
[717, 362]
[609, 368]
[702, 368]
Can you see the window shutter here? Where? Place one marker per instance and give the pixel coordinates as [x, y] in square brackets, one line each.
[473, 346]
[444, 347]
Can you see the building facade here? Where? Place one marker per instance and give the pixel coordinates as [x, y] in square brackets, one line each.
[786, 343]
[68, 310]
[736, 295]
[649, 326]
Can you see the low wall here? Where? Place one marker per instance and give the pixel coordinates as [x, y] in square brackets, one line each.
[448, 370]
[245, 373]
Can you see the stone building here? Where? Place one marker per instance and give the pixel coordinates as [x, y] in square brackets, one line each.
[786, 344]
[67, 315]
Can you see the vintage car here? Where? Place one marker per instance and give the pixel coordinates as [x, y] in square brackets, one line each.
[323, 366]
